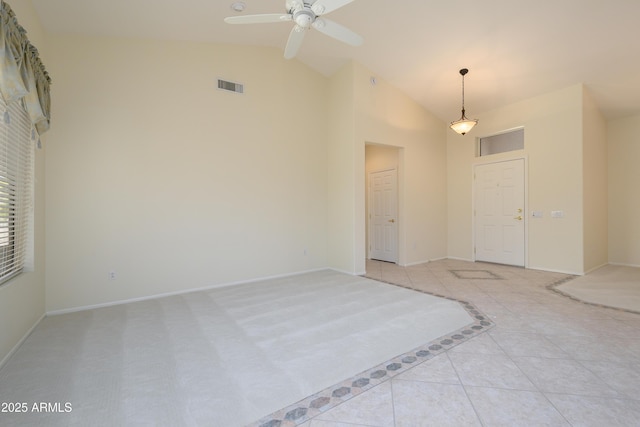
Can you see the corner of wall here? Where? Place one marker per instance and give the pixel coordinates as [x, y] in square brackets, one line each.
[595, 185]
[623, 157]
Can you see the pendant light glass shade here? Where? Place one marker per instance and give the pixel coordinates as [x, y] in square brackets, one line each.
[463, 125]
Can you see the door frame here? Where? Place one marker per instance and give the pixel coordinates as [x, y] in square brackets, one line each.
[370, 209]
[480, 162]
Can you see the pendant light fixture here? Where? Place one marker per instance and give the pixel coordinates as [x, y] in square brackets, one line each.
[463, 125]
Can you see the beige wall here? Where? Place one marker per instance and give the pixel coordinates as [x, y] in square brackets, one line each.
[22, 300]
[361, 114]
[553, 152]
[340, 175]
[595, 186]
[282, 169]
[624, 196]
[386, 116]
[172, 184]
[381, 158]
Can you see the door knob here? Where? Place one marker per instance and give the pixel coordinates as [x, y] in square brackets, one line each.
[392, 220]
[519, 218]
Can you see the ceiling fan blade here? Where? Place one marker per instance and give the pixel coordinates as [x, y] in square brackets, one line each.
[337, 31]
[294, 5]
[258, 19]
[295, 41]
[322, 7]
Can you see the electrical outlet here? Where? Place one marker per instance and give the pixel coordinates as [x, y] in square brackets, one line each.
[112, 275]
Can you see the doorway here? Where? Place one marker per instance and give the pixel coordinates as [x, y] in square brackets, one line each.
[383, 215]
[499, 212]
[381, 159]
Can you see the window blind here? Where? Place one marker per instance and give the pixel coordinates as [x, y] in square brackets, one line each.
[16, 188]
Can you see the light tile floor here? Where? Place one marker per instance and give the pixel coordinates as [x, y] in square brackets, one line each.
[549, 360]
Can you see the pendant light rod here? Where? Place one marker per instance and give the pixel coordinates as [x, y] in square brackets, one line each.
[462, 73]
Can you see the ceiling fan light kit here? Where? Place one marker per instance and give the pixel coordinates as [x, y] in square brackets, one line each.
[305, 15]
[238, 6]
[304, 18]
[463, 125]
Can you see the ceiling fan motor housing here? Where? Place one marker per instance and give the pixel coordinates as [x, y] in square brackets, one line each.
[304, 18]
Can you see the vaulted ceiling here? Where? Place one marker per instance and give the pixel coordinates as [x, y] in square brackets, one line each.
[513, 49]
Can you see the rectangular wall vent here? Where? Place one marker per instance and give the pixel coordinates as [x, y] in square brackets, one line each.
[230, 86]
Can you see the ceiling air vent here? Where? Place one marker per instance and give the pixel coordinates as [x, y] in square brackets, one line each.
[230, 86]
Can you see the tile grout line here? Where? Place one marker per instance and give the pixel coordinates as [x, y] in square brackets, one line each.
[393, 402]
[464, 388]
[541, 392]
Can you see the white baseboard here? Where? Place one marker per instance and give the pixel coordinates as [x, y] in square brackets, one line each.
[409, 264]
[350, 273]
[624, 265]
[19, 343]
[459, 259]
[170, 294]
[596, 268]
[550, 270]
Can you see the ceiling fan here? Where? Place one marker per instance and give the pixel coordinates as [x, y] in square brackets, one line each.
[305, 14]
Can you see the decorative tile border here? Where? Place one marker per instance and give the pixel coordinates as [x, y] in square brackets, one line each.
[476, 274]
[554, 288]
[331, 397]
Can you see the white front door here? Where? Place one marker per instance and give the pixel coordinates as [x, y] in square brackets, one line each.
[500, 212]
[383, 215]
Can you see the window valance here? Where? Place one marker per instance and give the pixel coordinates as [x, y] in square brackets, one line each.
[22, 74]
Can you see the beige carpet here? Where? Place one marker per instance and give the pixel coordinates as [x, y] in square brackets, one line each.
[223, 357]
[612, 285]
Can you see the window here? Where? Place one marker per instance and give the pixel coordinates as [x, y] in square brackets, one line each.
[501, 143]
[16, 189]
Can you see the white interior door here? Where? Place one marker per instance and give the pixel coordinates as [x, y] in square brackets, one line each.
[383, 215]
[500, 212]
